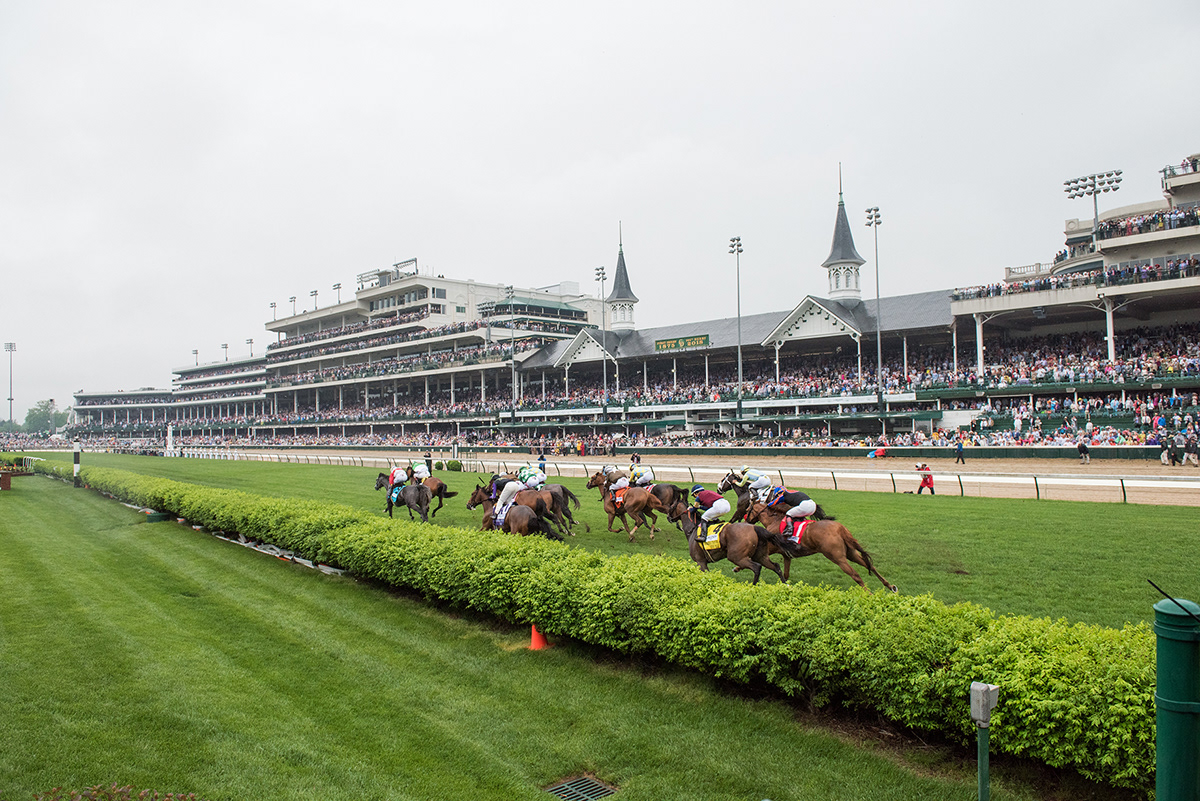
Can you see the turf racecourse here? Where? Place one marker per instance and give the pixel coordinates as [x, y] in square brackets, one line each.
[157, 656]
[1086, 562]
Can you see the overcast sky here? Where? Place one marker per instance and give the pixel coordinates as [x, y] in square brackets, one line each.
[168, 169]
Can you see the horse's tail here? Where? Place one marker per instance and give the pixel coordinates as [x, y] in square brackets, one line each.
[570, 496]
[854, 544]
[446, 493]
[772, 538]
[821, 514]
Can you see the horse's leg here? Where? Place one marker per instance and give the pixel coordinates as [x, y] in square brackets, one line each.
[841, 561]
[857, 554]
[433, 513]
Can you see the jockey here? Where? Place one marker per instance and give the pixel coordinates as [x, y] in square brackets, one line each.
[641, 475]
[397, 478]
[755, 480]
[621, 482]
[713, 504]
[528, 477]
[420, 471]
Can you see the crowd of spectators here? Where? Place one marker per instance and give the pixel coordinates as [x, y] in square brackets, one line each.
[352, 328]
[1164, 220]
[1115, 275]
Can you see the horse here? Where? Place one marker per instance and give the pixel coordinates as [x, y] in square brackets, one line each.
[436, 486]
[556, 503]
[523, 520]
[827, 537]
[746, 497]
[637, 502]
[743, 544]
[414, 496]
[563, 498]
[669, 495]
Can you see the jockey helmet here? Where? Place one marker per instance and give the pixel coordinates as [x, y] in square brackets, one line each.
[697, 488]
[745, 467]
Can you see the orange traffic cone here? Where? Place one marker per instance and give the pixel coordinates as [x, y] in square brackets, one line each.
[537, 641]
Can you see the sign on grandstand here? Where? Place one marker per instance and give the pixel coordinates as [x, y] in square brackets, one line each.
[681, 343]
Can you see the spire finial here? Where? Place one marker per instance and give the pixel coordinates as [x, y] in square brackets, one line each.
[840, 182]
[620, 237]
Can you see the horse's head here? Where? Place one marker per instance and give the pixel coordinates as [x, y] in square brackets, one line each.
[409, 472]
[754, 514]
[726, 483]
[382, 481]
[597, 480]
[678, 511]
[478, 496]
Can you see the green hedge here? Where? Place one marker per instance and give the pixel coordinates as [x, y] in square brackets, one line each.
[1075, 696]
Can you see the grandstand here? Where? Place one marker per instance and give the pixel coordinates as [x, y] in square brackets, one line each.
[1107, 330]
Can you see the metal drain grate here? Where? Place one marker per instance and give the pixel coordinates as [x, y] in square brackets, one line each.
[581, 789]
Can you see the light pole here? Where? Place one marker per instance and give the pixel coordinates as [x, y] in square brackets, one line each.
[225, 347]
[272, 310]
[735, 247]
[196, 353]
[250, 342]
[874, 222]
[313, 295]
[512, 349]
[1093, 185]
[293, 300]
[600, 276]
[10, 348]
[338, 287]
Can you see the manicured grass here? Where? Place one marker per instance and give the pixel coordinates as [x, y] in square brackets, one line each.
[1086, 562]
[157, 656]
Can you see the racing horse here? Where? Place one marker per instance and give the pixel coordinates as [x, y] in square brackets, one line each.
[556, 505]
[827, 537]
[745, 497]
[637, 502]
[414, 496]
[744, 544]
[523, 520]
[563, 498]
[437, 488]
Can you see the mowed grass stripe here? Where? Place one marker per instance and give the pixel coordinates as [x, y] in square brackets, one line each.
[158, 656]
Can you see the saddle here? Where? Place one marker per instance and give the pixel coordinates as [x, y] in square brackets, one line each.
[712, 540]
[396, 488]
[797, 526]
[619, 496]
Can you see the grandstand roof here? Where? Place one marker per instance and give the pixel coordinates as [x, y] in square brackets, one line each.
[920, 311]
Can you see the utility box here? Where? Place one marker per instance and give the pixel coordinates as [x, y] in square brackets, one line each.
[983, 700]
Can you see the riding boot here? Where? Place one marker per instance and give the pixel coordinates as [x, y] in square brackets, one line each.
[702, 533]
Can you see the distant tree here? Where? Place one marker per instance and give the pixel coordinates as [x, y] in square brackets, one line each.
[44, 417]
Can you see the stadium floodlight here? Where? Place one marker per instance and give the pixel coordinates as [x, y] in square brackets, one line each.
[10, 348]
[250, 342]
[196, 353]
[225, 347]
[313, 295]
[293, 300]
[735, 247]
[338, 287]
[272, 310]
[1093, 185]
[512, 348]
[601, 274]
[874, 221]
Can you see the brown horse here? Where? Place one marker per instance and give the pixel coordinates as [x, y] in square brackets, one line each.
[827, 537]
[436, 486]
[638, 503]
[563, 498]
[523, 520]
[745, 497]
[556, 505]
[743, 544]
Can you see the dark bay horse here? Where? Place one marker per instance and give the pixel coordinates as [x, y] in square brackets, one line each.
[827, 537]
[745, 497]
[523, 520]
[743, 544]
[638, 503]
[556, 504]
[414, 496]
[563, 498]
[436, 486]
